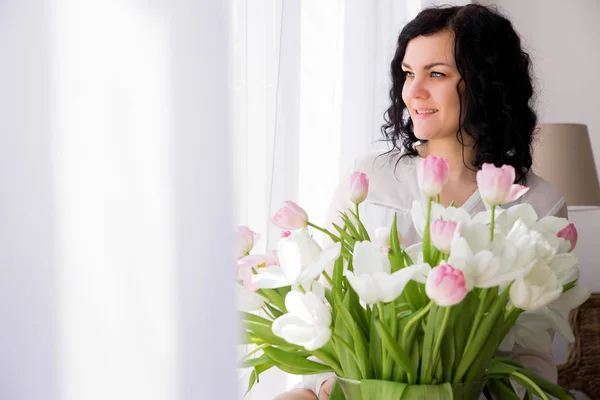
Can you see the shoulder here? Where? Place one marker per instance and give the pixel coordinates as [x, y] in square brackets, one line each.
[382, 162]
[543, 196]
[392, 180]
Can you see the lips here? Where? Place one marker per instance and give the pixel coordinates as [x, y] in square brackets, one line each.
[425, 111]
[422, 113]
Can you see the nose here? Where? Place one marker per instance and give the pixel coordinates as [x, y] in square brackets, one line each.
[416, 88]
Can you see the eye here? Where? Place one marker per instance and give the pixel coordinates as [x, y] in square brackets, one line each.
[408, 74]
[437, 74]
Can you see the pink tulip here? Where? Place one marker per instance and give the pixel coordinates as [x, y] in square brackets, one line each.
[290, 217]
[569, 233]
[442, 233]
[359, 187]
[432, 175]
[249, 265]
[445, 285]
[496, 185]
[244, 240]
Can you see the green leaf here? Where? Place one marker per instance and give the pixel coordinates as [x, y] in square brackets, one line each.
[253, 362]
[426, 358]
[336, 392]
[349, 366]
[447, 347]
[359, 340]
[276, 313]
[361, 228]
[348, 239]
[392, 347]
[467, 308]
[375, 350]
[484, 331]
[338, 276]
[350, 225]
[264, 332]
[293, 363]
[256, 371]
[394, 242]
[501, 390]
[274, 297]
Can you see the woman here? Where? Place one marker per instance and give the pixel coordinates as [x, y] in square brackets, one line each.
[461, 90]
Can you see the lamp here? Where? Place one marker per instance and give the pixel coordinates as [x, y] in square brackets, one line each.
[563, 156]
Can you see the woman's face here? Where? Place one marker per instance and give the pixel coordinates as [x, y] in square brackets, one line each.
[429, 90]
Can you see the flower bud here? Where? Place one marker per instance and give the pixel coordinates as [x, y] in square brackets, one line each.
[290, 217]
[445, 285]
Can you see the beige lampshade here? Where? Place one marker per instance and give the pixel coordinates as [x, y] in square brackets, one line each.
[563, 156]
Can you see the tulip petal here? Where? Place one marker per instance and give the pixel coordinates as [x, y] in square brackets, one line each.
[559, 324]
[248, 301]
[516, 191]
[292, 329]
[270, 278]
[326, 257]
[571, 299]
[368, 259]
[364, 286]
[320, 340]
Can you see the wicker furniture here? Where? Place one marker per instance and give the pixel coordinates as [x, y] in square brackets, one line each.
[581, 371]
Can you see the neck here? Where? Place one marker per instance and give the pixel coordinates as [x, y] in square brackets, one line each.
[456, 154]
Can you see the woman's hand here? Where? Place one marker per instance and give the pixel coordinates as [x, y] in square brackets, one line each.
[306, 394]
[326, 389]
[297, 394]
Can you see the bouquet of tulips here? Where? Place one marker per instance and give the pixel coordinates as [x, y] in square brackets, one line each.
[425, 321]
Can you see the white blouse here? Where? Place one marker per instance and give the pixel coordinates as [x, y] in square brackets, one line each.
[392, 190]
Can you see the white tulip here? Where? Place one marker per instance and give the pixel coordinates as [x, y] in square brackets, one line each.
[568, 300]
[486, 268]
[419, 215]
[537, 289]
[307, 322]
[531, 332]
[371, 278]
[301, 261]
[248, 300]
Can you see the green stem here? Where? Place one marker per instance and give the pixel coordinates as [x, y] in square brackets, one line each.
[257, 349]
[437, 198]
[356, 210]
[427, 233]
[438, 339]
[478, 317]
[325, 231]
[386, 372]
[332, 362]
[301, 289]
[328, 278]
[414, 319]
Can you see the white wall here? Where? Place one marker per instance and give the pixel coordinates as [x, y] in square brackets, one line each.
[563, 39]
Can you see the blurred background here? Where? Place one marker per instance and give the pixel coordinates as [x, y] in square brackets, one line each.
[136, 133]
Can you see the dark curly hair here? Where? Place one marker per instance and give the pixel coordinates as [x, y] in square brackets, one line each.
[498, 101]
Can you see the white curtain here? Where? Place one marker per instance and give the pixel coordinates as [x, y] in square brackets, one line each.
[311, 82]
[116, 200]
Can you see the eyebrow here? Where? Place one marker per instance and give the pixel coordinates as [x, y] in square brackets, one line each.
[428, 66]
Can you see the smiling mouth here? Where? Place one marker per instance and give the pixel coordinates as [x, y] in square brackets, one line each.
[425, 112]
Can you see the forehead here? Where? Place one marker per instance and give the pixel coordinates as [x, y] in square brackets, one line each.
[424, 50]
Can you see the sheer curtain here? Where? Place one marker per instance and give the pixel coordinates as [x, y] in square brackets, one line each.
[311, 81]
[116, 200]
